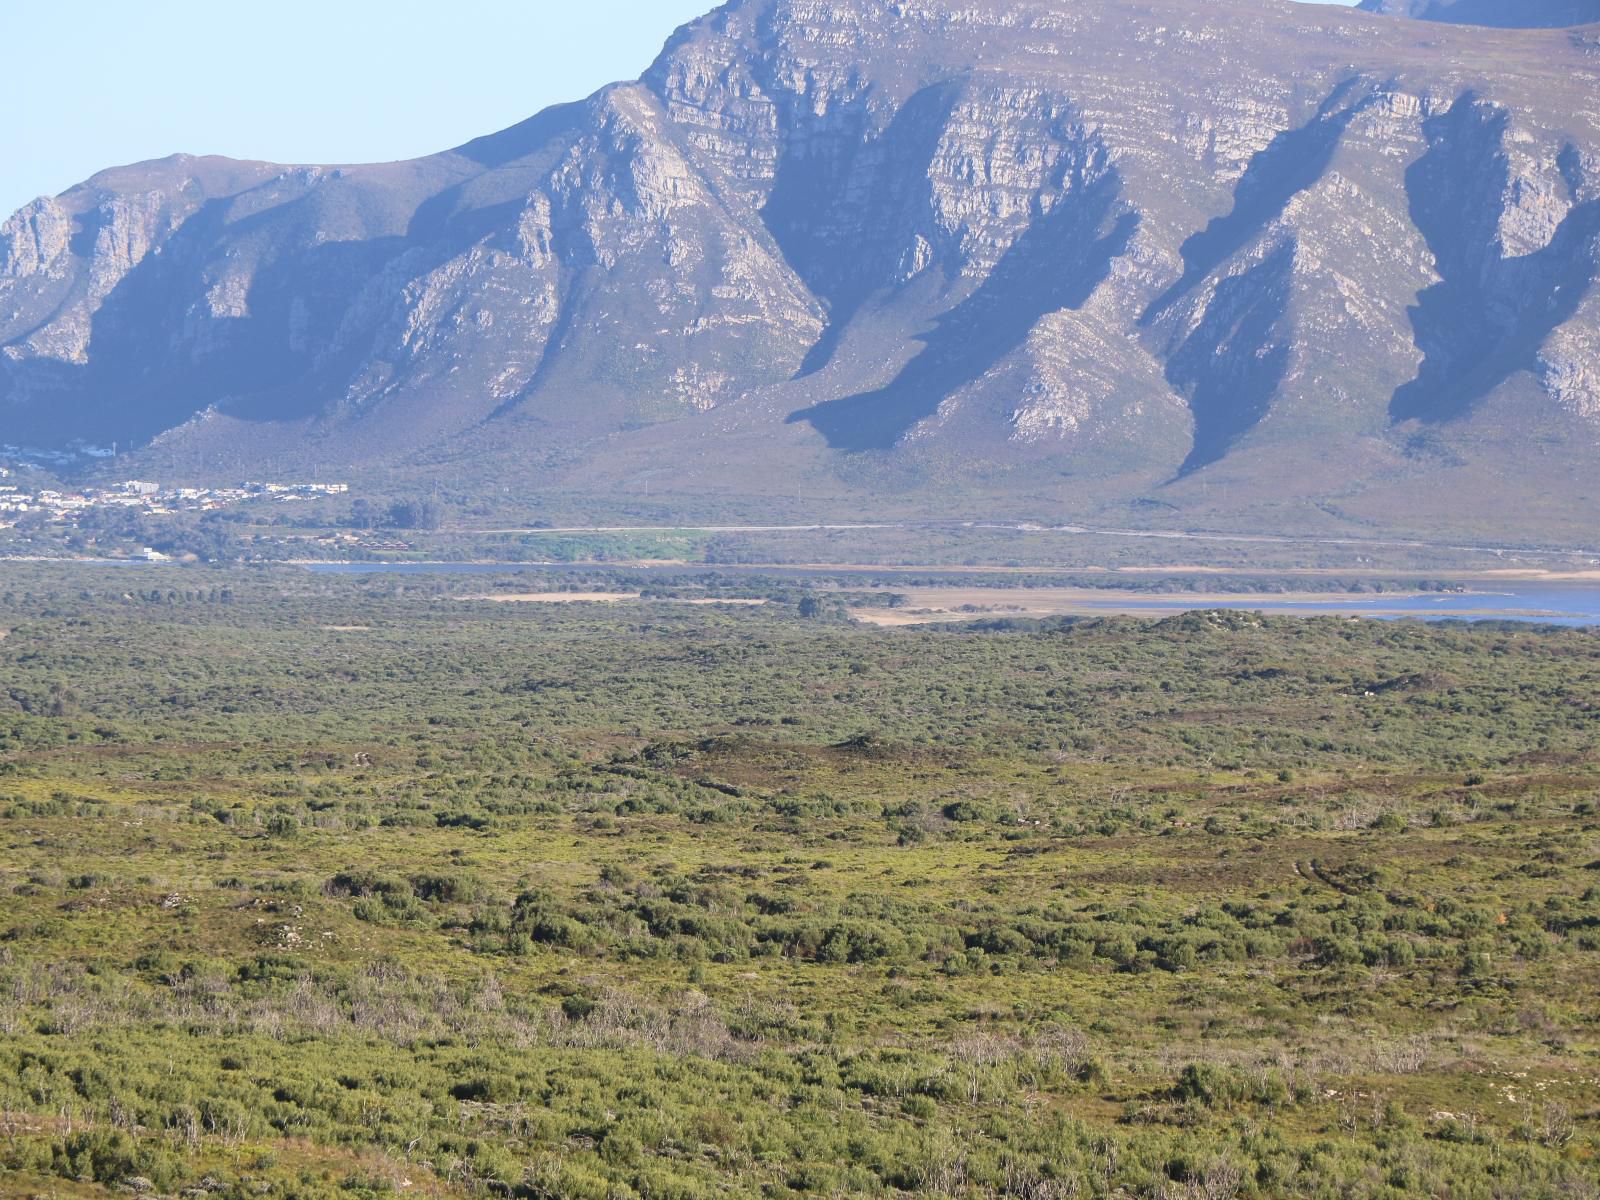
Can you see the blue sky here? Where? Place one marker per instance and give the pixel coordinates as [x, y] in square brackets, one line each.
[102, 82]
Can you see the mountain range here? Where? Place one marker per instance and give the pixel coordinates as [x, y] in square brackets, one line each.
[1242, 263]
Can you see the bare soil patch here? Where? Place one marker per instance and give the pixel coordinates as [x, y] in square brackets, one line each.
[610, 598]
[557, 597]
[925, 605]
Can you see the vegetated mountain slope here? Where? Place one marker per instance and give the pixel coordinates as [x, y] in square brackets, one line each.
[1234, 261]
[1503, 14]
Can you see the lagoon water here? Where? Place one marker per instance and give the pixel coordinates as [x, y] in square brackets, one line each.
[1545, 604]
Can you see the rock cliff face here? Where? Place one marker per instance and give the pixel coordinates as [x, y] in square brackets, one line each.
[1096, 253]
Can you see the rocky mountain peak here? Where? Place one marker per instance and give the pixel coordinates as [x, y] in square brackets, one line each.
[1095, 254]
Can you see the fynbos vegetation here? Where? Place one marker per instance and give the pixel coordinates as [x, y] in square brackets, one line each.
[324, 888]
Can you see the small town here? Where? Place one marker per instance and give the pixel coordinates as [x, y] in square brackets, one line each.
[18, 502]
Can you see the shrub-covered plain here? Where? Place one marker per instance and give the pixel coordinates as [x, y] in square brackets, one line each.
[317, 887]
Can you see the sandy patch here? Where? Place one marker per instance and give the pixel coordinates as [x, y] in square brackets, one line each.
[608, 598]
[1535, 575]
[557, 597]
[927, 605]
[347, 628]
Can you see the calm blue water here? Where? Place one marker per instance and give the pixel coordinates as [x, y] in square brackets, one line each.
[1551, 604]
